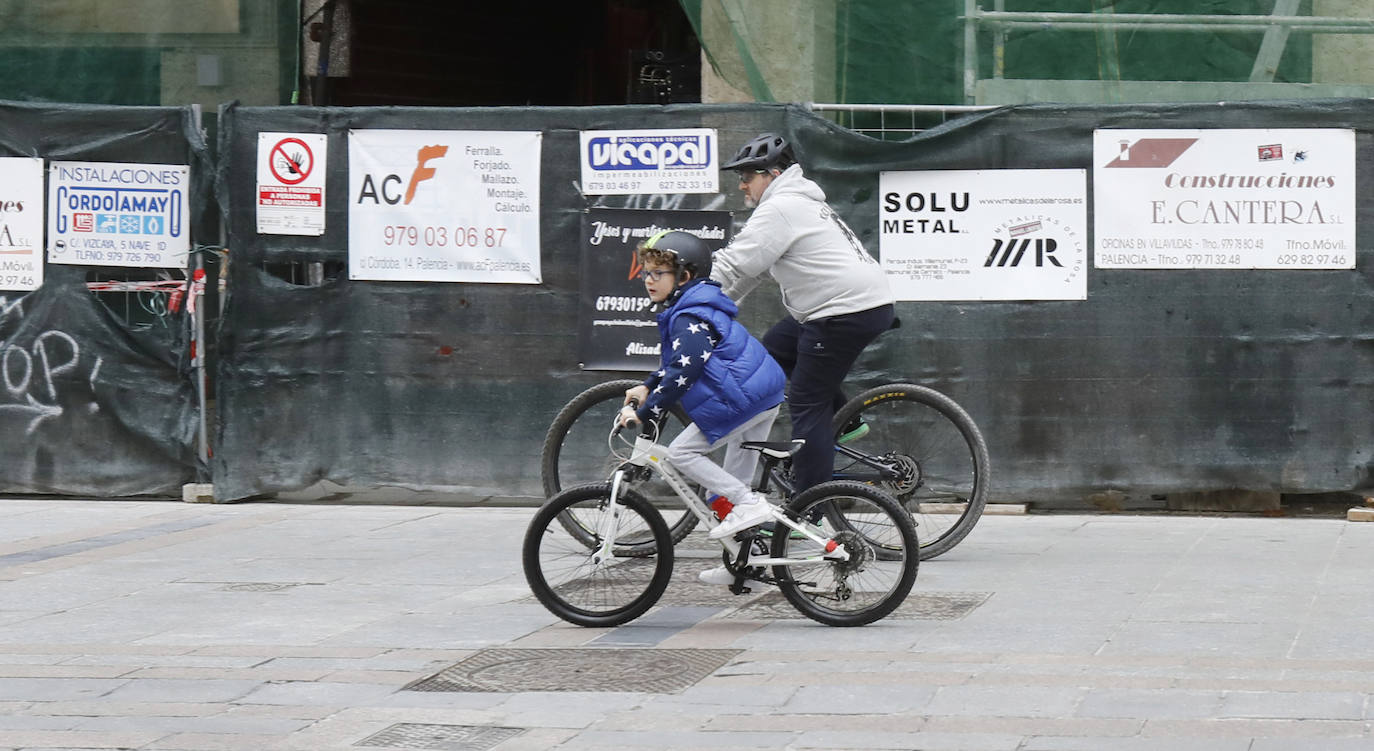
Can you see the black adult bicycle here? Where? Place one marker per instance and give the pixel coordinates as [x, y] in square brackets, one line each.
[920, 446]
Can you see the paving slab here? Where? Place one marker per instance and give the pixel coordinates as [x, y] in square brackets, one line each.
[305, 626]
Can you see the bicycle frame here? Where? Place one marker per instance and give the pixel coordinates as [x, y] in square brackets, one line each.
[884, 469]
[654, 456]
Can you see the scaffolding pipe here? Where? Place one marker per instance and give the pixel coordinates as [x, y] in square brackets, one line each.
[1167, 22]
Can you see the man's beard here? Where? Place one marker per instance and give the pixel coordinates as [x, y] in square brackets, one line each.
[749, 202]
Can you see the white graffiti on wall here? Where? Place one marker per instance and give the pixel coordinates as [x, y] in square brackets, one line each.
[30, 374]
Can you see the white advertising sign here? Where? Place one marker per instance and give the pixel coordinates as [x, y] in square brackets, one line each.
[1007, 234]
[21, 223]
[681, 160]
[1224, 199]
[290, 195]
[443, 205]
[117, 214]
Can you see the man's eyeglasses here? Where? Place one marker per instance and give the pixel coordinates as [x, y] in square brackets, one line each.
[747, 177]
[655, 275]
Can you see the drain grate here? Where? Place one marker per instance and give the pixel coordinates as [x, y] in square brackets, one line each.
[257, 587]
[686, 590]
[637, 670]
[441, 737]
[927, 606]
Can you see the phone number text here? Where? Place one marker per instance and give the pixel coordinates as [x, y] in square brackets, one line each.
[443, 237]
[622, 304]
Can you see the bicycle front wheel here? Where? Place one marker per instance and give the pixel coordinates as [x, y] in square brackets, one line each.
[923, 449]
[865, 586]
[575, 452]
[579, 584]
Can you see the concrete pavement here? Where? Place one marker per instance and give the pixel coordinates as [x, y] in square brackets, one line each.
[161, 625]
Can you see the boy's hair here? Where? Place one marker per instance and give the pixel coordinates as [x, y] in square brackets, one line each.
[656, 256]
[679, 250]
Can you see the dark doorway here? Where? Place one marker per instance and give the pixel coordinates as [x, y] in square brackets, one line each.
[490, 52]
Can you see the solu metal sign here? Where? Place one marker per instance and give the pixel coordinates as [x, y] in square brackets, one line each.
[116, 214]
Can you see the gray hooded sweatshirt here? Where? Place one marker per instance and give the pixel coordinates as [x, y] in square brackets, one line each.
[817, 260]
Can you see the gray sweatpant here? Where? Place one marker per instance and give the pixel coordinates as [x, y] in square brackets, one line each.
[735, 475]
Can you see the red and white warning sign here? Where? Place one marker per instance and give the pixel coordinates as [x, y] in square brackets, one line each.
[291, 183]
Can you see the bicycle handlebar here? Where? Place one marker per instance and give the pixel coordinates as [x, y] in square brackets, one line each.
[633, 422]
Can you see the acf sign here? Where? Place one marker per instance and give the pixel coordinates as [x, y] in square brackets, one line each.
[444, 206]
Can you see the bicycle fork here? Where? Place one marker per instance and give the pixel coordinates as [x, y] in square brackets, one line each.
[609, 522]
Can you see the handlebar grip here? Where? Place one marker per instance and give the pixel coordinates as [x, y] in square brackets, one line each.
[631, 423]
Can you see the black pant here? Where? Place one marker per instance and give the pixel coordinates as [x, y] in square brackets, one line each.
[816, 356]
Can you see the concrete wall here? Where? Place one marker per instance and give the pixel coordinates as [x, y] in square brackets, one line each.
[791, 43]
[1343, 58]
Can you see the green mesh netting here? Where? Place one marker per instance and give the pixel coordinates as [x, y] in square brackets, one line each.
[903, 52]
[151, 52]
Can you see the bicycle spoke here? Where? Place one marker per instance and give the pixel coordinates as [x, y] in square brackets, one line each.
[571, 577]
[932, 458]
[863, 586]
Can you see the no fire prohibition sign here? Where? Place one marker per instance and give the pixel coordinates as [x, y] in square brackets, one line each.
[291, 170]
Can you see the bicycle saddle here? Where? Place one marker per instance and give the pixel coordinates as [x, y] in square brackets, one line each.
[776, 449]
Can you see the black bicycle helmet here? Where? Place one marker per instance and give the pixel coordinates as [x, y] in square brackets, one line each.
[691, 252]
[763, 152]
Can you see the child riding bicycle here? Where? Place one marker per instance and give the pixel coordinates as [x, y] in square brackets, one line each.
[724, 378]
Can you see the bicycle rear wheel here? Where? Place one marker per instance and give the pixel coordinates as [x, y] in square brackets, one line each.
[575, 452]
[865, 587]
[570, 578]
[923, 449]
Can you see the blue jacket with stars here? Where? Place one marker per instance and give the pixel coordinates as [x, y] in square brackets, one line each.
[721, 373]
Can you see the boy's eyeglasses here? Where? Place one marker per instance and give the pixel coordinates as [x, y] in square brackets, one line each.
[655, 275]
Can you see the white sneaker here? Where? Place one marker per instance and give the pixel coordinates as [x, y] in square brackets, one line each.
[743, 516]
[718, 575]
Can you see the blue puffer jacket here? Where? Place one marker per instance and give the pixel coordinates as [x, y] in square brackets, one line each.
[741, 379]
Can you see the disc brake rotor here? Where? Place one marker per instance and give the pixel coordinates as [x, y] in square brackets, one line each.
[908, 475]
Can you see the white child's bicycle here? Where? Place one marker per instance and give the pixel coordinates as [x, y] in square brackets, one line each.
[843, 553]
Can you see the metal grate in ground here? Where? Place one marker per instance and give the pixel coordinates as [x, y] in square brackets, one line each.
[258, 586]
[441, 737]
[927, 606]
[636, 670]
[686, 590]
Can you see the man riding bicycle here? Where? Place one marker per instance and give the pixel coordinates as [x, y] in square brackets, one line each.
[835, 293]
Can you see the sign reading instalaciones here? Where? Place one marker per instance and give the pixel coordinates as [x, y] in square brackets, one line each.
[118, 214]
